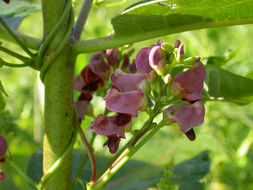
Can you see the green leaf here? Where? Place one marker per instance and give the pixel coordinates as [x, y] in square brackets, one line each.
[14, 12]
[224, 85]
[250, 75]
[191, 170]
[221, 60]
[155, 18]
[2, 90]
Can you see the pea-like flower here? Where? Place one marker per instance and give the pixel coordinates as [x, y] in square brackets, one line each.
[126, 95]
[111, 127]
[187, 117]
[189, 85]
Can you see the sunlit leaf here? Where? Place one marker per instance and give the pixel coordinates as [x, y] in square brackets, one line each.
[224, 85]
[161, 17]
[2, 90]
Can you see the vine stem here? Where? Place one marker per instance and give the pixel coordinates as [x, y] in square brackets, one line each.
[82, 165]
[90, 153]
[21, 173]
[28, 63]
[128, 153]
[20, 43]
[81, 20]
[14, 54]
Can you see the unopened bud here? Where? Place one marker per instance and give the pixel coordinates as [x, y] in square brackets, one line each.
[167, 79]
[177, 43]
[191, 60]
[180, 53]
[167, 47]
[3, 146]
[156, 60]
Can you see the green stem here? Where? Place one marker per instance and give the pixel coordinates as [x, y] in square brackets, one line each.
[19, 42]
[117, 40]
[30, 42]
[53, 169]
[81, 20]
[128, 153]
[53, 32]
[14, 54]
[64, 42]
[21, 173]
[90, 154]
[82, 165]
[28, 63]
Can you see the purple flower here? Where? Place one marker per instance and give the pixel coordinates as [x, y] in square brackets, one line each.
[189, 85]
[111, 127]
[142, 62]
[126, 95]
[187, 117]
[112, 57]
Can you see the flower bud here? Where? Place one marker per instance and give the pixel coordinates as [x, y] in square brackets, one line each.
[177, 43]
[180, 53]
[112, 57]
[167, 79]
[191, 60]
[167, 47]
[156, 60]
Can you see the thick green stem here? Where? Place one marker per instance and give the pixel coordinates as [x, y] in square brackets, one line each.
[58, 100]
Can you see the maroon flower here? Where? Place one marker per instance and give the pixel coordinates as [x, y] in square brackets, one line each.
[111, 127]
[112, 57]
[187, 117]
[189, 85]
[113, 144]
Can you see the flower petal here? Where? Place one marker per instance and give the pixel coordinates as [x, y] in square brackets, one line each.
[187, 117]
[125, 102]
[79, 83]
[142, 61]
[82, 108]
[189, 85]
[113, 144]
[125, 82]
[112, 57]
[112, 126]
[156, 60]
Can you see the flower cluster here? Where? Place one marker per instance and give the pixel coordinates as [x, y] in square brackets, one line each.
[3, 150]
[125, 97]
[161, 59]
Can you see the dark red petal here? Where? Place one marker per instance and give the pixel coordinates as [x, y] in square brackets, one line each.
[123, 119]
[191, 135]
[113, 144]
[187, 117]
[3, 146]
[2, 159]
[107, 126]
[112, 57]
[126, 61]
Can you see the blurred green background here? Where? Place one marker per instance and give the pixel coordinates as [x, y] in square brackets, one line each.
[227, 132]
